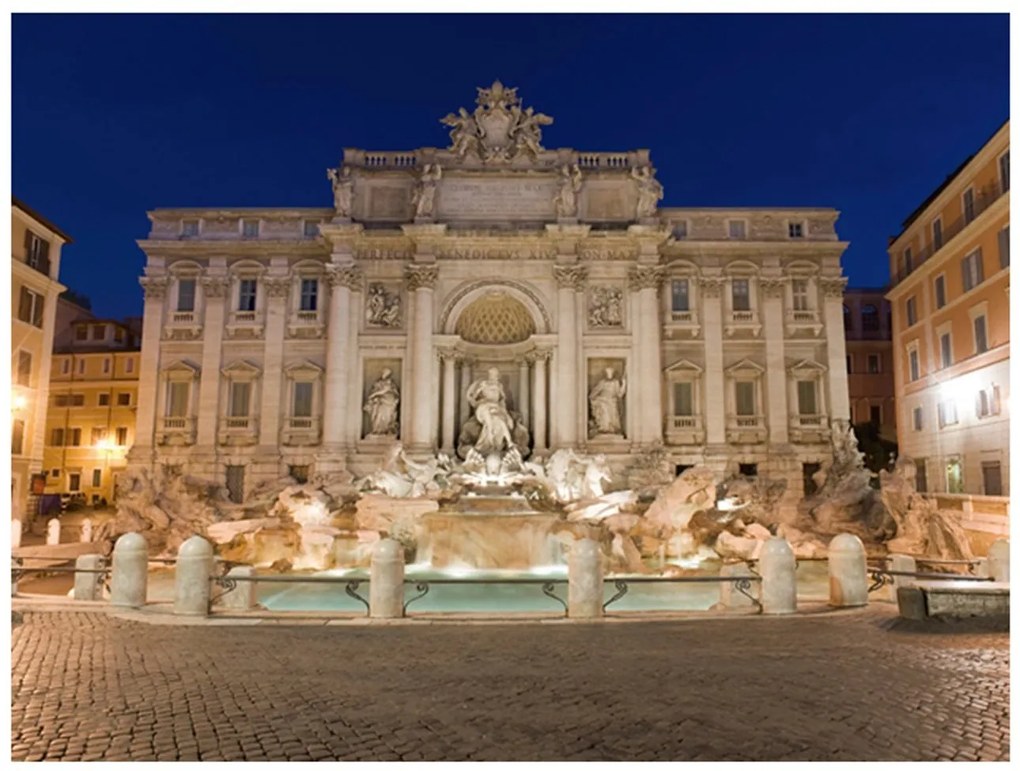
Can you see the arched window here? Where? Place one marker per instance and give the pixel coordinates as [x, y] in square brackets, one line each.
[869, 318]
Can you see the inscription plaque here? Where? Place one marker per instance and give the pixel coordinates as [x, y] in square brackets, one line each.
[497, 199]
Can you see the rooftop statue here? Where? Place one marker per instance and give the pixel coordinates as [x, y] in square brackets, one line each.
[498, 130]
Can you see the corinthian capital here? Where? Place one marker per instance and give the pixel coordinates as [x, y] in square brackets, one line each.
[832, 286]
[570, 276]
[153, 286]
[646, 276]
[276, 286]
[215, 286]
[772, 287]
[421, 276]
[344, 275]
[712, 286]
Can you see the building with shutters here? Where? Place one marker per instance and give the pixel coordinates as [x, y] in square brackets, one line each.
[867, 319]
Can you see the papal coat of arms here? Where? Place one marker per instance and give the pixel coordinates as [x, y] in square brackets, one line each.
[498, 130]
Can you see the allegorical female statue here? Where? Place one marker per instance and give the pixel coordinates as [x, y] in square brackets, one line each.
[604, 400]
[381, 406]
[343, 190]
[424, 198]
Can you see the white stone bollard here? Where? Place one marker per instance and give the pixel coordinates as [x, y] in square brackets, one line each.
[191, 577]
[848, 572]
[242, 597]
[16, 533]
[778, 577]
[88, 586]
[729, 597]
[900, 563]
[386, 587]
[129, 581]
[53, 532]
[998, 560]
[584, 573]
[86, 531]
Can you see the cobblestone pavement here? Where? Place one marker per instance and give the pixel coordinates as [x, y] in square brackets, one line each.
[86, 686]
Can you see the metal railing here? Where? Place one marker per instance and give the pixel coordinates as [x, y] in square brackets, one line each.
[229, 583]
[741, 583]
[881, 577]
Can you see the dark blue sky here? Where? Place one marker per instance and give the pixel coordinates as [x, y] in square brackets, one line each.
[115, 115]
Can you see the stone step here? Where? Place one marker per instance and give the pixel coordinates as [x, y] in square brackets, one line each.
[956, 599]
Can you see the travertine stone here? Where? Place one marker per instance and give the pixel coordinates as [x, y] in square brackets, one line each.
[729, 597]
[585, 580]
[242, 597]
[848, 572]
[191, 577]
[129, 581]
[88, 586]
[778, 577]
[998, 560]
[386, 587]
[53, 532]
[900, 563]
[15, 533]
[86, 531]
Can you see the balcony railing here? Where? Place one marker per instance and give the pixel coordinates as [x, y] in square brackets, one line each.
[244, 317]
[301, 431]
[686, 422]
[174, 429]
[683, 317]
[182, 317]
[238, 430]
[748, 421]
[743, 317]
[307, 317]
[176, 424]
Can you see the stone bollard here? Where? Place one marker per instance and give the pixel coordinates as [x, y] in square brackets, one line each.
[901, 563]
[998, 560]
[88, 586]
[778, 577]
[15, 533]
[53, 532]
[848, 572]
[242, 597]
[584, 572]
[729, 597]
[191, 577]
[386, 586]
[86, 531]
[128, 583]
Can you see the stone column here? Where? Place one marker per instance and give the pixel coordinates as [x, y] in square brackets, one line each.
[645, 385]
[277, 288]
[215, 289]
[568, 415]
[835, 344]
[148, 368]
[343, 279]
[465, 381]
[714, 381]
[539, 394]
[449, 362]
[523, 386]
[421, 279]
[352, 421]
[776, 407]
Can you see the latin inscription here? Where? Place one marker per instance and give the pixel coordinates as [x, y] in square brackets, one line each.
[502, 198]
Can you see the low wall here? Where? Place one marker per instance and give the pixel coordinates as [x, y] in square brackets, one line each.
[984, 517]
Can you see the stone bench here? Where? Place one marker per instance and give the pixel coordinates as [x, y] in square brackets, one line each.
[956, 599]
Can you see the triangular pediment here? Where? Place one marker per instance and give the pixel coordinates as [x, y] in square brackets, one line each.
[305, 367]
[182, 366]
[684, 366]
[240, 368]
[745, 366]
[806, 367]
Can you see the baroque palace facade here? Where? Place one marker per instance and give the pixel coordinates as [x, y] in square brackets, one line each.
[305, 341]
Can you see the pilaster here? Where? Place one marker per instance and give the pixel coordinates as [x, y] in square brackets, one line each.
[154, 288]
[344, 279]
[277, 289]
[568, 416]
[777, 409]
[835, 344]
[421, 281]
[715, 383]
[215, 289]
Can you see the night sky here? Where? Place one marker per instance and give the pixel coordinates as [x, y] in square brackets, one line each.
[115, 115]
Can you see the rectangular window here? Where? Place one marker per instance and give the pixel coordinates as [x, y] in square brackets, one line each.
[683, 399]
[741, 294]
[177, 400]
[118, 334]
[973, 270]
[309, 294]
[122, 436]
[246, 294]
[911, 311]
[796, 229]
[30, 309]
[81, 366]
[737, 229]
[239, 399]
[189, 228]
[124, 399]
[106, 366]
[874, 363]
[73, 482]
[186, 295]
[681, 296]
[17, 436]
[65, 366]
[250, 228]
[61, 400]
[129, 365]
[936, 234]
[37, 252]
[98, 435]
[1004, 171]
[235, 483]
[918, 419]
[980, 335]
[77, 400]
[908, 260]
[806, 402]
[915, 365]
[311, 229]
[745, 397]
[800, 294]
[940, 291]
[81, 332]
[947, 413]
[104, 400]
[1004, 247]
[968, 205]
[97, 477]
[922, 475]
[875, 414]
[302, 400]
[74, 437]
[24, 368]
[57, 437]
[991, 477]
[98, 331]
[946, 349]
[988, 402]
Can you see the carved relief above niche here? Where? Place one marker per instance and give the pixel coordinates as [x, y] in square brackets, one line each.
[605, 307]
[383, 305]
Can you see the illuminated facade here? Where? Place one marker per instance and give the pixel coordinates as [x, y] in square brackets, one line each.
[950, 301]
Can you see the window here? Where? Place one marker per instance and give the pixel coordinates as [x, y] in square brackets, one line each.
[104, 400]
[246, 294]
[98, 435]
[37, 252]
[74, 482]
[911, 311]
[918, 419]
[186, 295]
[129, 365]
[991, 477]
[118, 334]
[796, 229]
[681, 296]
[875, 414]
[806, 402]
[954, 476]
[849, 364]
[122, 436]
[24, 368]
[988, 402]
[915, 365]
[680, 230]
[250, 228]
[973, 270]
[30, 309]
[309, 294]
[869, 318]
[81, 332]
[74, 437]
[800, 294]
[302, 400]
[741, 294]
[936, 234]
[874, 363]
[98, 331]
[683, 399]
[235, 483]
[947, 413]
[848, 319]
[65, 366]
[17, 436]
[81, 366]
[1004, 247]
[946, 349]
[922, 475]
[311, 228]
[61, 400]
[106, 366]
[980, 335]
[940, 290]
[177, 399]
[97, 477]
[968, 204]
[57, 437]
[77, 400]
[124, 399]
[737, 229]
[908, 260]
[240, 394]
[55, 473]
[1004, 171]
[745, 397]
[189, 228]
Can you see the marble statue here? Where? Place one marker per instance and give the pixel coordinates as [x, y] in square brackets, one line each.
[494, 437]
[343, 190]
[605, 401]
[498, 130]
[595, 473]
[382, 307]
[649, 191]
[570, 186]
[464, 136]
[605, 307]
[424, 199]
[402, 477]
[381, 405]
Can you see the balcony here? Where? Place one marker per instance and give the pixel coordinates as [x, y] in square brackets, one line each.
[245, 324]
[182, 325]
[803, 321]
[809, 429]
[742, 324]
[684, 429]
[682, 324]
[306, 324]
[238, 431]
[174, 430]
[299, 432]
[746, 429]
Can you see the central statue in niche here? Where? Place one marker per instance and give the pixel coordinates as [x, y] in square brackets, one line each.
[494, 438]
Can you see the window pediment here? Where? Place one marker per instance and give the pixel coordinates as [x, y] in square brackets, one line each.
[240, 370]
[745, 368]
[806, 369]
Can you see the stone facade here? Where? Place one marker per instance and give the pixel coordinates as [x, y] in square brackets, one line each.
[722, 327]
[867, 318]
